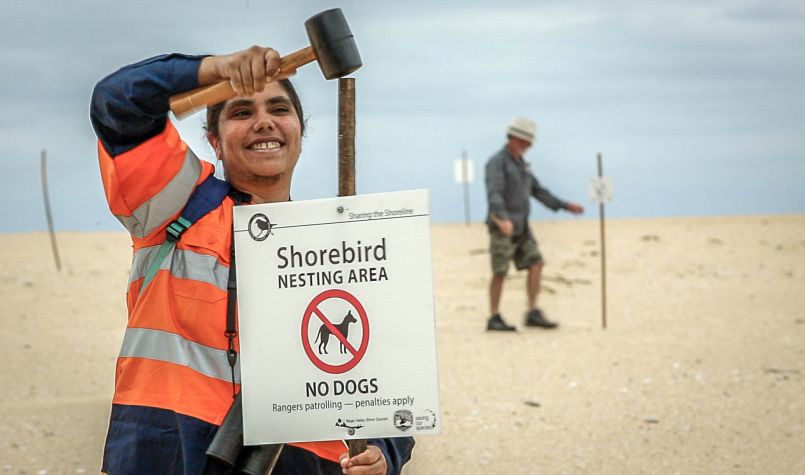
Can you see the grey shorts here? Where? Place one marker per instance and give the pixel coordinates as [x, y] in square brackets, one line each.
[523, 250]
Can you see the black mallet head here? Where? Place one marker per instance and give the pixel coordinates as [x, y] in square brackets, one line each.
[333, 43]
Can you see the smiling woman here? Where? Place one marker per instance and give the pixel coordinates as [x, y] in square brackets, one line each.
[177, 371]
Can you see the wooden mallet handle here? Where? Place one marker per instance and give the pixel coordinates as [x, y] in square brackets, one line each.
[188, 102]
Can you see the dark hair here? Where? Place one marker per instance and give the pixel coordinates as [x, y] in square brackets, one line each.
[214, 112]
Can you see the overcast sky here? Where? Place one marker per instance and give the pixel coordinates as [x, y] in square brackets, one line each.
[697, 107]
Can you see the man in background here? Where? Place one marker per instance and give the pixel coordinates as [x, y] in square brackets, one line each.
[509, 185]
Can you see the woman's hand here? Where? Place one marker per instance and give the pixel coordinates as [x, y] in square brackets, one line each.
[369, 462]
[248, 71]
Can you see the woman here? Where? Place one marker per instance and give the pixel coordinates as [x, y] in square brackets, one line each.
[173, 385]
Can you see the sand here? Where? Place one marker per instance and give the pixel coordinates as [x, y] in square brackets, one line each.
[701, 368]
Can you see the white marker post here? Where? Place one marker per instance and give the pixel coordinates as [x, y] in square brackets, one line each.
[463, 174]
[601, 192]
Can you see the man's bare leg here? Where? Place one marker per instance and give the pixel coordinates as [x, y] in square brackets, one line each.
[534, 317]
[533, 283]
[495, 292]
[496, 322]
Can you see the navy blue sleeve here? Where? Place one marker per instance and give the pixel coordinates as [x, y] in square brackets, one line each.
[397, 451]
[131, 105]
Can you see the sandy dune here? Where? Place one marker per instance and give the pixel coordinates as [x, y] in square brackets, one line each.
[701, 368]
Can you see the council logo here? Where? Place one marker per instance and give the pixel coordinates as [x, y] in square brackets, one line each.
[260, 227]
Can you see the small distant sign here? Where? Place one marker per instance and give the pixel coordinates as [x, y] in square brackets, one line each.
[600, 189]
[463, 171]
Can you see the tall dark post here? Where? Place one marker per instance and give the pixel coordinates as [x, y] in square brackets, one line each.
[346, 173]
[465, 179]
[44, 176]
[603, 250]
[346, 137]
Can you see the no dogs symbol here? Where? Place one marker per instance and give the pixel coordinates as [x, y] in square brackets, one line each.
[340, 317]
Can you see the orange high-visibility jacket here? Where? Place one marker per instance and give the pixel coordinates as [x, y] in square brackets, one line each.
[174, 350]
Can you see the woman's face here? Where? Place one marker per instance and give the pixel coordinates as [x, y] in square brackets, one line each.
[259, 141]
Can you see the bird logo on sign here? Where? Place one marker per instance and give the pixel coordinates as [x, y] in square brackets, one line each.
[260, 227]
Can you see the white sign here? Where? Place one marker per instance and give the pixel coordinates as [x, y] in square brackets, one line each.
[600, 190]
[335, 305]
[462, 175]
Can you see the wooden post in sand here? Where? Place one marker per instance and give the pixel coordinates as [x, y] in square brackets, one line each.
[346, 137]
[44, 176]
[346, 173]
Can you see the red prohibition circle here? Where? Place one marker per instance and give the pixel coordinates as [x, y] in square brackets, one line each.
[312, 307]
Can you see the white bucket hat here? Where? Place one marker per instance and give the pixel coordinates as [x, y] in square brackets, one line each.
[523, 128]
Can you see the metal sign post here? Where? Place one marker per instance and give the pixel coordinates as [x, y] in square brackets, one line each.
[603, 254]
[601, 192]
